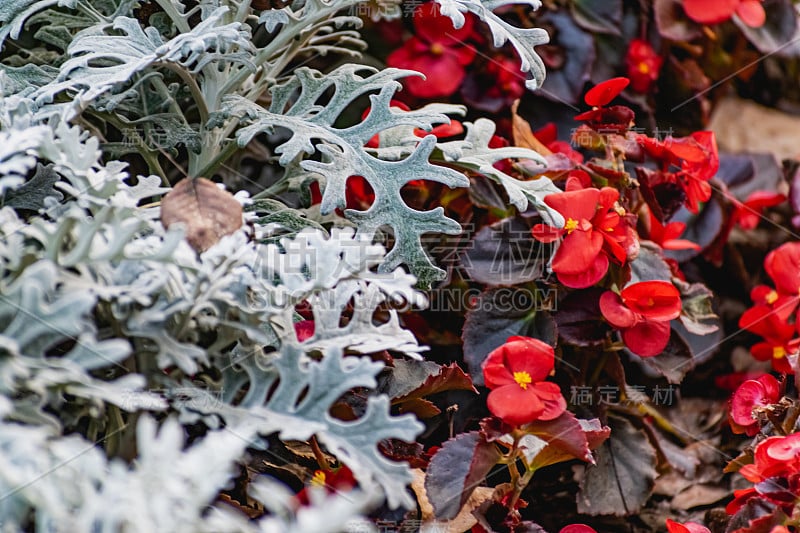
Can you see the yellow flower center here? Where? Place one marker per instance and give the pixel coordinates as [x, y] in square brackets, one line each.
[644, 68]
[778, 352]
[522, 379]
[771, 297]
[319, 479]
[437, 49]
[571, 225]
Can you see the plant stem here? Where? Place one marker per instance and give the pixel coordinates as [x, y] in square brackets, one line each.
[318, 455]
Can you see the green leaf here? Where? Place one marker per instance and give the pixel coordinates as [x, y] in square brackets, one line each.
[342, 154]
[31, 195]
[522, 39]
[474, 153]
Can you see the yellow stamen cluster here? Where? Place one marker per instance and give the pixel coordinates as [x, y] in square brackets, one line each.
[319, 479]
[571, 225]
[523, 379]
[771, 297]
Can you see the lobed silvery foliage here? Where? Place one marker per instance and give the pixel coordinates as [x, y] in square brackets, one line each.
[111, 325]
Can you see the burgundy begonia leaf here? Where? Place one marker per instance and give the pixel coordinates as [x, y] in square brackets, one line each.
[397, 450]
[701, 229]
[598, 17]
[672, 22]
[623, 478]
[697, 315]
[663, 196]
[565, 80]
[408, 382]
[457, 468]
[649, 265]
[567, 438]
[674, 362]
[579, 319]
[756, 516]
[778, 35]
[505, 254]
[499, 314]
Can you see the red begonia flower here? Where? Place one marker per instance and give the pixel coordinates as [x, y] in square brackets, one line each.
[594, 231]
[715, 11]
[577, 528]
[779, 336]
[548, 136]
[333, 481]
[516, 372]
[688, 527]
[643, 65]
[783, 266]
[614, 119]
[695, 160]
[667, 235]
[750, 395]
[437, 50]
[304, 330]
[642, 312]
[748, 213]
[603, 93]
[774, 457]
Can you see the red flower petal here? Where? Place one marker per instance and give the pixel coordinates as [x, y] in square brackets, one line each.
[575, 204]
[526, 354]
[655, 300]
[518, 354]
[752, 13]
[577, 252]
[688, 527]
[554, 402]
[547, 133]
[783, 266]
[588, 277]
[602, 93]
[304, 330]
[615, 312]
[749, 395]
[515, 405]
[647, 338]
[709, 11]
[545, 233]
[432, 26]
[443, 75]
[577, 528]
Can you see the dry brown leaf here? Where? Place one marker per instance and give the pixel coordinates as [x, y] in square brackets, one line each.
[744, 126]
[523, 134]
[462, 522]
[208, 212]
[699, 496]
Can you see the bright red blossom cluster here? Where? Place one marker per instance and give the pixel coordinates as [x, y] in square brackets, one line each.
[688, 527]
[643, 64]
[750, 395]
[642, 312]
[751, 12]
[437, 50]
[776, 473]
[773, 313]
[516, 372]
[595, 231]
[689, 162]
